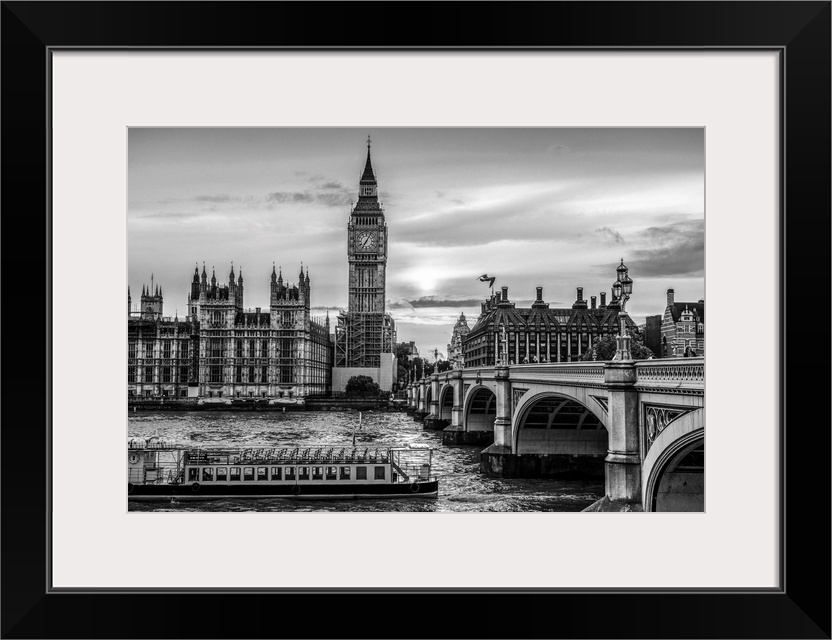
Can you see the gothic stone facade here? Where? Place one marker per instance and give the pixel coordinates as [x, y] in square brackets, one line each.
[162, 353]
[455, 351]
[365, 331]
[221, 350]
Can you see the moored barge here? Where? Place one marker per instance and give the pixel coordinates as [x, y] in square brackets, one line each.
[159, 470]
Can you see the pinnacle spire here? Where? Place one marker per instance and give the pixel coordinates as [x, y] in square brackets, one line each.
[369, 176]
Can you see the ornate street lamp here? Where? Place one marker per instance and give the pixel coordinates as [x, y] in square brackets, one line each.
[622, 288]
[436, 360]
[503, 360]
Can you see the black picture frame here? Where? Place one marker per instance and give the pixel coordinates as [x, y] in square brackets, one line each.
[799, 31]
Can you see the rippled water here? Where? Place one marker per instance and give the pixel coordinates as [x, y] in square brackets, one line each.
[461, 485]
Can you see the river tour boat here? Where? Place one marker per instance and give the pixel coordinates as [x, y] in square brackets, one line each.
[160, 470]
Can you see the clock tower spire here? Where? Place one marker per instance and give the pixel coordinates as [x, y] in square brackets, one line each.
[362, 338]
[367, 186]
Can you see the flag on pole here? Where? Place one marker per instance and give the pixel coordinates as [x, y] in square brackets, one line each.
[484, 278]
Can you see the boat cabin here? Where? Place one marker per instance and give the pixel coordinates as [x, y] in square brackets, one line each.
[169, 464]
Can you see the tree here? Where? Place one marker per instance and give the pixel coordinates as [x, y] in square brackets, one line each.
[605, 348]
[444, 365]
[362, 387]
[402, 361]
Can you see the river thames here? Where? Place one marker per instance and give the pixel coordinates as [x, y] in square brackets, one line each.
[462, 488]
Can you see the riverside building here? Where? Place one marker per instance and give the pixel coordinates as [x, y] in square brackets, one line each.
[540, 333]
[455, 351]
[683, 328]
[222, 351]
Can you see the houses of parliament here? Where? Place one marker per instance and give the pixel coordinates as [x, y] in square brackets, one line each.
[222, 352]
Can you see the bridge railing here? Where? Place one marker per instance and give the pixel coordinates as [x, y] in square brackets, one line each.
[573, 372]
[672, 373]
[664, 373]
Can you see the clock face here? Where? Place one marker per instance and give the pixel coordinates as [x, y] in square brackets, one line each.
[134, 458]
[366, 241]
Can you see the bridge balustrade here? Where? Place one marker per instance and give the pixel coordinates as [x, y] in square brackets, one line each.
[675, 373]
[591, 372]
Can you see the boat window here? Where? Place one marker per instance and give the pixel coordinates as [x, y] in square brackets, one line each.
[235, 474]
[331, 473]
[317, 473]
[361, 473]
[379, 473]
[193, 474]
[290, 473]
[303, 473]
[276, 473]
[345, 473]
[222, 474]
[262, 473]
[248, 473]
[207, 474]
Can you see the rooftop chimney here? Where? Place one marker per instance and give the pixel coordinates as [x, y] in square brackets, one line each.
[580, 303]
[670, 297]
[603, 299]
[505, 294]
[593, 301]
[540, 294]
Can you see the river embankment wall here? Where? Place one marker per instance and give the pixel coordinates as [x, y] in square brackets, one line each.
[307, 404]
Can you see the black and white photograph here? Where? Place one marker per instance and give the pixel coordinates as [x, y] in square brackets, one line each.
[415, 307]
[416, 319]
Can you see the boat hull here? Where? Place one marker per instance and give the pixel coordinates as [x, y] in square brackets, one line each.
[306, 491]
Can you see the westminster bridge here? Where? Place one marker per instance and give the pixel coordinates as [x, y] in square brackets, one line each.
[639, 424]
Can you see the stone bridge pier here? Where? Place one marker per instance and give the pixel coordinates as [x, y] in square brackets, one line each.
[408, 394]
[636, 425]
[433, 420]
[422, 405]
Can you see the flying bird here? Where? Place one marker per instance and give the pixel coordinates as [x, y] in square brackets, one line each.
[484, 278]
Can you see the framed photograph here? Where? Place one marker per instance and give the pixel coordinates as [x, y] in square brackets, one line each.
[186, 150]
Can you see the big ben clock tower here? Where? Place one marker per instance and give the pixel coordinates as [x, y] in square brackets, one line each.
[366, 331]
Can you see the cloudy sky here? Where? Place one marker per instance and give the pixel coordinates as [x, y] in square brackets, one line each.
[556, 208]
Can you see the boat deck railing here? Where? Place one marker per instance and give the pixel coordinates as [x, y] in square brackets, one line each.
[141, 443]
[290, 455]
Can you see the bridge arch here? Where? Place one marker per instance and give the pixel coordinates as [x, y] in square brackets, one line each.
[446, 402]
[551, 422]
[480, 409]
[673, 469]
[428, 395]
